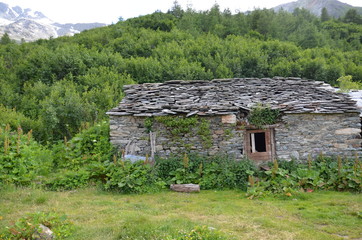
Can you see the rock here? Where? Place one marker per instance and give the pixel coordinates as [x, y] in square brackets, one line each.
[340, 145]
[188, 188]
[231, 119]
[348, 131]
[44, 233]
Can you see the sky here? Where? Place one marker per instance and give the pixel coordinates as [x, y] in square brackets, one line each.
[109, 11]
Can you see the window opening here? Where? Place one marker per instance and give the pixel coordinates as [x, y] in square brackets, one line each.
[257, 142]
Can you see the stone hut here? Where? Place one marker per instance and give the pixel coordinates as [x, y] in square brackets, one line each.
[212, 117]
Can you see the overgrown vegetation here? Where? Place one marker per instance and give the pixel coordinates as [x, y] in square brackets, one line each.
[324, 173]
[260, 116]
[180, 128]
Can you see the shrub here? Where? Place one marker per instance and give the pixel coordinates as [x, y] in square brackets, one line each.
[127, 177]
[262, 115]
[22, 159]
[68, 180]
[323, 173]
[15, 119]
[89, 146]
[217, 172]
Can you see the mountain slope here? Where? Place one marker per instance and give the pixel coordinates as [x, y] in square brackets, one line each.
[29, 25]
[334, 7]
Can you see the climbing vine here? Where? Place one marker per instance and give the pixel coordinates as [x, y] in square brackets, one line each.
[262, 115]
[179, 126]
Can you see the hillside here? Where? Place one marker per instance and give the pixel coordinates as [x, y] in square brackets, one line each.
[335, 8]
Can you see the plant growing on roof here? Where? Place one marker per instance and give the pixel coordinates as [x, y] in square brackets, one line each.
[261, 115]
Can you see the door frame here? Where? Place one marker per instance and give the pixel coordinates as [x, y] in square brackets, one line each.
[260, 157]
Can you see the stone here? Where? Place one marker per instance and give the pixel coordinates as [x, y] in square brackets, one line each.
[159, 148]
[230, 119]
[340, 145]
[348, 131]
[219, 132]
[294, 155]
[44, 233]
[354, 142]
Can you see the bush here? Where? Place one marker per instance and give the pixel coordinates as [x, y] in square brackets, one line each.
[89, 146]
[22, 159]
[322, 173]
[217, 172]
[16, 119]
[261, 115]
[68, 180]
[127, 177]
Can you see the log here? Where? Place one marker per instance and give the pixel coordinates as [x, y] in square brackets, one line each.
[188, 188]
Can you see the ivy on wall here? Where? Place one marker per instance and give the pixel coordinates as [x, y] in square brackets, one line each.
[178, 127]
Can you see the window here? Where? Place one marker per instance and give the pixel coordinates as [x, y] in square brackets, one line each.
[259, 144]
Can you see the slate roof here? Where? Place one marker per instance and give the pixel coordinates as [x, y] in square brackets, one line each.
[226, 96]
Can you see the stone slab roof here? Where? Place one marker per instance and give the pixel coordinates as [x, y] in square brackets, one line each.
[226, 96]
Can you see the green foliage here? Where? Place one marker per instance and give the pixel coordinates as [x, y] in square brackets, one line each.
[260, 116]
[352, 16]
[127, 177]
[67, 180]
[346, 84]
[64, 111]
[88, 147]
[16, 119]
[149, 124]
[324, 15]
[25, 227]
[22, 159]
[179, 127]
[323, 173]
[210, 172]
[5, 39]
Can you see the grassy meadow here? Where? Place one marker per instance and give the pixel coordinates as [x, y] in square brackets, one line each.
[165, 215]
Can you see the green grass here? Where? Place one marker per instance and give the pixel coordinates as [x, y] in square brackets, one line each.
[103, 215]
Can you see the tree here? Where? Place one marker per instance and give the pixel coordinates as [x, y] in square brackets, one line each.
[176, 10]
[325, 16]
[5, 39]
[352, 16]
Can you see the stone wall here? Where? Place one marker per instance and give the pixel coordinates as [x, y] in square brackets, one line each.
[130, 134]
[297, 136]
[332, 134]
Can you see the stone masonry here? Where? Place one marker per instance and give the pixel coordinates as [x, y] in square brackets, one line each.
[297, 136]
[130, 134]
[331, 134]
